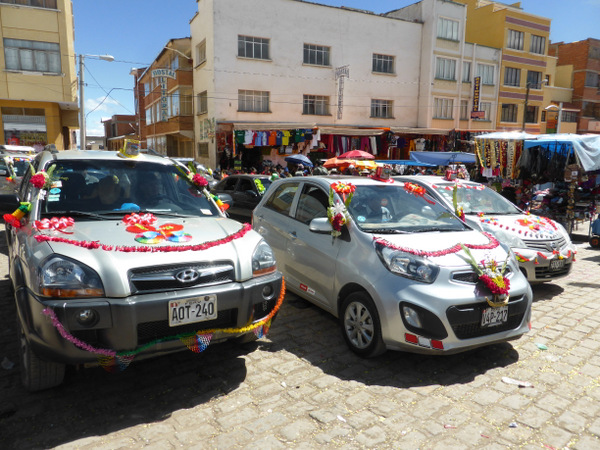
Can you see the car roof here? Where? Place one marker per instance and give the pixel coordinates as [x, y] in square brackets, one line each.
[330, 179]
[432, 179]
[104, 155]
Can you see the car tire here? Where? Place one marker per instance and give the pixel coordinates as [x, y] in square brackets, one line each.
[595, 241]
[360, 325]
[37, 374]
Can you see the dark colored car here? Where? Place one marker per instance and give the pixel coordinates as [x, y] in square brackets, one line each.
[12, 168]
[246, 191]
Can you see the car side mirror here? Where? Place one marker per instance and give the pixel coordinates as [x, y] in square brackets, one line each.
[320, 225]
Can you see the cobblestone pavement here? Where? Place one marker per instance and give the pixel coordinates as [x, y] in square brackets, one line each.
[301, 388]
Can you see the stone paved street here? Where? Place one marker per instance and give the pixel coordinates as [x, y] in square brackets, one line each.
[301, 388]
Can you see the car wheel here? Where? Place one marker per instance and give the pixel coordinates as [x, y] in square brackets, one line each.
[595, 242]
[360, 325]
[37, 374]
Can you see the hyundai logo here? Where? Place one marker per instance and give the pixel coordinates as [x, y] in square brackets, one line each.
[187, 276]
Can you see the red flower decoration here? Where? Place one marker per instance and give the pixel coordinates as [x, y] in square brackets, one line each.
[337, 222]
[493, 286]
[38, 180]
[12, 220]
[142, 219]
[55, 223]
[199, 180]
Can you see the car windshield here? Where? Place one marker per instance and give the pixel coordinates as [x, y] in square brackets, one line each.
[21, 164]
[476, 198]
[399, 208]
[94, 186]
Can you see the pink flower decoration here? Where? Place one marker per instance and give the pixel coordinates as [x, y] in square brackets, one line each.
[199, 180]
[38, 180]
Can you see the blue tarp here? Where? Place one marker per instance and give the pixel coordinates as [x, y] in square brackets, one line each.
[587, 147]
[443, 158]
[404, 162]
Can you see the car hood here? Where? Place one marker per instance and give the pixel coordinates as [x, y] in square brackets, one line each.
[443, 248]
[111, 250]
[525, 226]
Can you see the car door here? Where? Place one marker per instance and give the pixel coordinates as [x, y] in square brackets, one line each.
[245, 197]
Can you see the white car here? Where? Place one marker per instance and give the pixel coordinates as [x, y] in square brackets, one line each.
[542, 246]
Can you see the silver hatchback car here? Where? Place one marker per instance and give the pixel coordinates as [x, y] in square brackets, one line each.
[396, 267]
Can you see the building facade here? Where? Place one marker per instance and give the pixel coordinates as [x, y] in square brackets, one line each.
[118, 128]
[583, 57]
[38, 86]
[168, 100]
[139, 100]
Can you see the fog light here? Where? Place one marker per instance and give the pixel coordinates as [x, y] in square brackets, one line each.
[412, 317]
[267, 291]
[87, 317]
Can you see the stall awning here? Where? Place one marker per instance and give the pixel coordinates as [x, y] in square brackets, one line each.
[443, 158]
[408, 130]
[587, 147]
[506, 135]
[404, 162]
[350, 131]
[266, 126]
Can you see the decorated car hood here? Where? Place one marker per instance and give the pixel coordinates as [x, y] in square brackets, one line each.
[122, 246]
[525, 226]
[444, 248]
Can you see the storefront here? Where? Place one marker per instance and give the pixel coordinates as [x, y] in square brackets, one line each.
[24, 126]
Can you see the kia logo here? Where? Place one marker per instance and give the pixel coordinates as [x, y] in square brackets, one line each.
[187, 276]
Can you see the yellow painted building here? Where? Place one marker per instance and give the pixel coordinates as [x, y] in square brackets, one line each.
[38, 81]
[525, 70]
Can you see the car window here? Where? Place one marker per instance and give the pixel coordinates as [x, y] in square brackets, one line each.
[477, 199]
[228, 184]
[245, 185]
[313, 203]
[282, 198]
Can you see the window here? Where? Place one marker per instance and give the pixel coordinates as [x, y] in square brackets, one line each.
[202, 103]
[486, 107]
[569, 116]
[174, 64]
[32, 56]
[48, 4]
[180, 103]
[531, 114]
[316, 55]
[313, 203]
[146, 89]
[591, 79]
[381, 109]
[509, 113]
[538, 44]
[534, 79]
[201, 53]
[203, 149]
[466, 76]
[253, 101]
[486, 72]
[445, 69]
[317, 105]
[443, 108]
[253, 47]
[515, 40]
[383, 63]
[464, 110]
[512, 76]
[447, 29]
[281, 200]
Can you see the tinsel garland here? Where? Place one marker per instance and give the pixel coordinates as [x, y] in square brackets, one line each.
[113, 361]
[493, 243]
[93, 245]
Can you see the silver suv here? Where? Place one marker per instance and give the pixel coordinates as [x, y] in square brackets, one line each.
[129, 257]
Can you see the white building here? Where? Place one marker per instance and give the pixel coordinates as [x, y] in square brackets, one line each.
[347, 78]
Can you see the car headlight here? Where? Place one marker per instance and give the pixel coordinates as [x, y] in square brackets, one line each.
[509, 239]
[263, 260]
[407, 265]
[60, 277]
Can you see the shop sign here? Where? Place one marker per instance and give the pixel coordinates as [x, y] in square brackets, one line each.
[162, 75]
[475, 113]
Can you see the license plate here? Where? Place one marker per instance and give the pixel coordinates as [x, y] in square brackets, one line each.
[557, 264]
[494, 316]
[192, 310]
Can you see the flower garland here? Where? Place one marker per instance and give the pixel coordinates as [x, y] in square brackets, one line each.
[417, 191]
[493, 243]
[338, 212]
[491, 275]
[533, 226]
[113, 361]
[94, 245]
[259, 186]
[55, 223]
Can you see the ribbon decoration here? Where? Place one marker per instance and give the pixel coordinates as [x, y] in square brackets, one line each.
[55, 223]
[141, 219]
[113, 361]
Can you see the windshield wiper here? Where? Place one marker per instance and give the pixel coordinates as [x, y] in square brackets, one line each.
[384, 231]
[159, 212]
[76, 214]
[427, 229]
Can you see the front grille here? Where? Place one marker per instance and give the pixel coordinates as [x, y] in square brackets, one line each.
[465, 320]
[472, 278]
[164, 278]
[546, 245]
[151, 331]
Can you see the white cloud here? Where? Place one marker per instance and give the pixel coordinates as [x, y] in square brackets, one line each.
[101, 104]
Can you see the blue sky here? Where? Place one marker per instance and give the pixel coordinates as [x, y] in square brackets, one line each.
[135, 31]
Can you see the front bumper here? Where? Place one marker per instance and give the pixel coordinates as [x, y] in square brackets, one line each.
[139, 323]
[539, 267]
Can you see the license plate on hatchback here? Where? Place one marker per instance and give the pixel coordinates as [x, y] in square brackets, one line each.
[192, 310]
[494, 316]
[557, 264]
